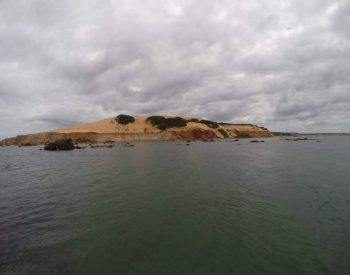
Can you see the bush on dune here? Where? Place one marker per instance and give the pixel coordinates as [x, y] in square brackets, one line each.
[223, 132]
[124, 119]
[209, 123]
[193, 120]
[163, 123]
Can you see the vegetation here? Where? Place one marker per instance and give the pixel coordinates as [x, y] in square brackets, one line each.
[209, 123]
[223, 132]
[124, 119]
[225, 123]
[193, 120]
[163, 123]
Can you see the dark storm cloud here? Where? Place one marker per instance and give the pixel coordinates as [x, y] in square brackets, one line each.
[282, 64]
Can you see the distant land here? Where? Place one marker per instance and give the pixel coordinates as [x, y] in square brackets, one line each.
[142, 128]
[309, 134]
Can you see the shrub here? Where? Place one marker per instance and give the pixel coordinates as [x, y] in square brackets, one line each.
[155, 120]
[223, 132]
[193, 120]
[163, 123]
[124, 119]
[209, 123]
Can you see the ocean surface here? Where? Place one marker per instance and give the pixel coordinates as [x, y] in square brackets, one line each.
[278, 207]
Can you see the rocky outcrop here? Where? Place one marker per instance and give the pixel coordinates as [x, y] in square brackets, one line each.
[60, 145]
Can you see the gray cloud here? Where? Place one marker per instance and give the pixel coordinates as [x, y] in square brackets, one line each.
[281, 64]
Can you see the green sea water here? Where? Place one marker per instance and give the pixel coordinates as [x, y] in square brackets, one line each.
[278, 207]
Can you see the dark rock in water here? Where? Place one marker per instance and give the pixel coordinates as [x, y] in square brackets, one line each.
[60, 145]
[257, 140]
[109, 146]
[96, 146]
[27, 144]
[298, 139]
[108, 141]
[79, 147]
[128, 145]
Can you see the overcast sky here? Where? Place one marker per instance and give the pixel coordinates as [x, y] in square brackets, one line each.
[280, 64]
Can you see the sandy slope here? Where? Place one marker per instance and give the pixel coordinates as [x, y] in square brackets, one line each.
[109, 125]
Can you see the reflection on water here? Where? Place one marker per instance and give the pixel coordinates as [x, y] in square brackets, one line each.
[161, 208]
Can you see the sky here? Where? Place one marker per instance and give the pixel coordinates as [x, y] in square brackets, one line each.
[280, 64]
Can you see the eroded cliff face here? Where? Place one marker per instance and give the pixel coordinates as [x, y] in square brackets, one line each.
[109, 131]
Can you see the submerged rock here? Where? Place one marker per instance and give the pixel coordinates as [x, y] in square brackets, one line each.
[60, 145]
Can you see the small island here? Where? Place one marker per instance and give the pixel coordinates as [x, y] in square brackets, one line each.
[124, 128]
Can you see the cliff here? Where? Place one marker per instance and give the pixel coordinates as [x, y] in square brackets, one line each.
[142, 128]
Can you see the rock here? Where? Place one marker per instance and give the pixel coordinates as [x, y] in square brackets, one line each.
[27, 144]
[60, 145]
[109, 141]
[257, 140]
[79, 147]
[128, 145]
[95, 146]
[298, 139]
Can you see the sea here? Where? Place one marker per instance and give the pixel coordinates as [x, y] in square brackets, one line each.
[223, 207]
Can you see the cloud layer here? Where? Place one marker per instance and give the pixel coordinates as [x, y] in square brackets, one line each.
[280, 64]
